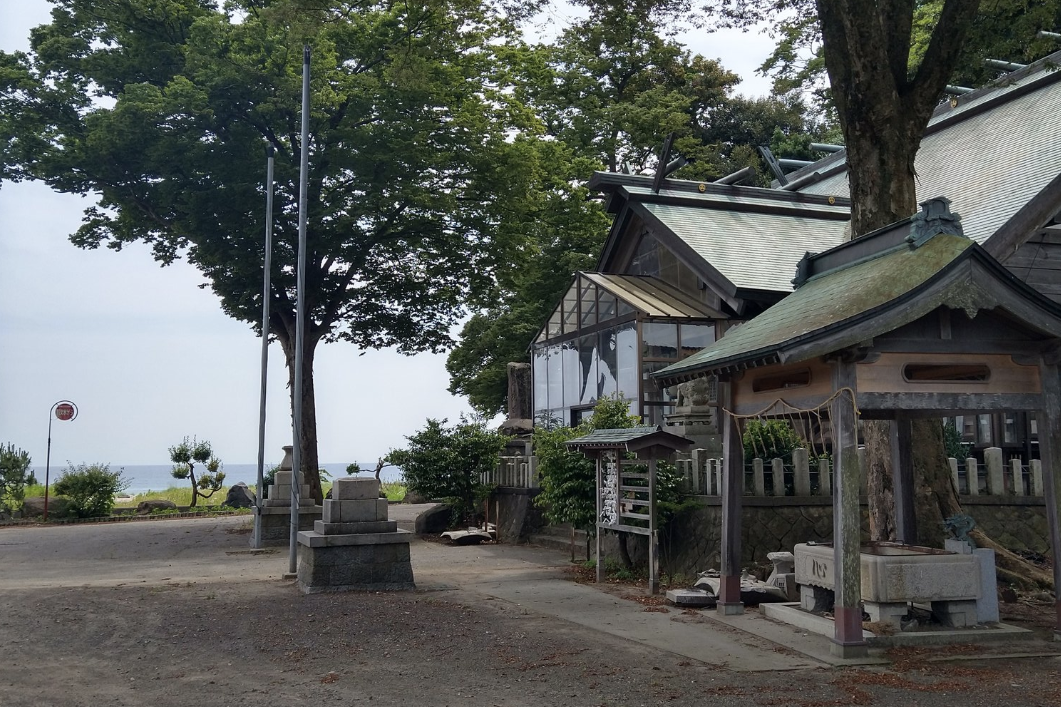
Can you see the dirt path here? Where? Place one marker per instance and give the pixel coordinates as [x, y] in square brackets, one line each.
[181, 613]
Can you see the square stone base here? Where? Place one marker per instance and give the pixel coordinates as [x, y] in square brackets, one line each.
[344, 563]
[276, 523]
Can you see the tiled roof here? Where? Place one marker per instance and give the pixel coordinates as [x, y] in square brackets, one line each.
[990, 154]
[829, 301]
[755, 250]
[602, 439]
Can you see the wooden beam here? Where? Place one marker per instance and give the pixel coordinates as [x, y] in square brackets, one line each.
[1049, 425]
[1026, 222]
[903, 480]
[947, 403]
[729, 602]
[847, 606]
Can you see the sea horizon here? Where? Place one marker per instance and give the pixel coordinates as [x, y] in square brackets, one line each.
[157, 477]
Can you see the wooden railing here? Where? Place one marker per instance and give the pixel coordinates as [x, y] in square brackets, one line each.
[804, 476]
[513, 472]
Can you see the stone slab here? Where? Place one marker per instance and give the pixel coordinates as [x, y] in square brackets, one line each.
[305, 501]
[314, 539]
[791, 614]
[987, 604]
[375, 526]
[355, 489]
[372, 567]
[286, 510]
[902, 575]
[276, 524]
[355, 511]
[691, 597]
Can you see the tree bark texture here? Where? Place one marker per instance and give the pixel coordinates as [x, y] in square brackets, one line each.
[884, 108]
[876, 435]
[307, 438]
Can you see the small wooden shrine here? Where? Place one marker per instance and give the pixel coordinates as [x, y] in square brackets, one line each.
[626, 483]
[913, 321]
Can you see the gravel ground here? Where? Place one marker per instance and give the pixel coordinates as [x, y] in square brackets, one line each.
[190, 636]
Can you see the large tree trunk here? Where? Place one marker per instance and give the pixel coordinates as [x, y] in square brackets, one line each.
[884, 109]
[308, 433]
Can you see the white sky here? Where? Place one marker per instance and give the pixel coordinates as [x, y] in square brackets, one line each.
[148, 357]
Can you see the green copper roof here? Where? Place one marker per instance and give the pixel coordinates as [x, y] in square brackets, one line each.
[622, 437]
[828, 301]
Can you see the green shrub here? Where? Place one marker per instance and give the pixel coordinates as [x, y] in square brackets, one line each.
[569, 479]
[953, 443]
[15, 475]
[90, 489]
[448, 463]
[770, 439]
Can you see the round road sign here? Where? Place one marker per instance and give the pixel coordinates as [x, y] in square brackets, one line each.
[64, 411]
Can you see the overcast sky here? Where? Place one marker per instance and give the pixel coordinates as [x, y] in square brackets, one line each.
[148, 357]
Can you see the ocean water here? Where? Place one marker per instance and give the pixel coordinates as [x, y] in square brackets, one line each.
[155, 477]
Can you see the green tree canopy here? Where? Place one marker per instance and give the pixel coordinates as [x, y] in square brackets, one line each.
[607, 92]
[162, 110]
[1007, 30]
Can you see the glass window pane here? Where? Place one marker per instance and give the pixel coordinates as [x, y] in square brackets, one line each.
[687, 281]
[625, 309]
[571, 374]
[607, 383]
[653, 391]
[1009, 430]
[626, 362]
[646, 259]
[607, 306]
[654, 414]
[571, 311]
[985, 429]
[589, 305]
[556, 378]
[659, 340]
[541, 382]
[668, 266]
[696, 337]
[554, 328]
[587, 363]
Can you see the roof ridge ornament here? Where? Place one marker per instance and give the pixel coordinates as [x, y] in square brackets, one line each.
[935, 218]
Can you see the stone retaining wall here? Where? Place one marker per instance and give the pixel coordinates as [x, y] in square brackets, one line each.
[690, 543]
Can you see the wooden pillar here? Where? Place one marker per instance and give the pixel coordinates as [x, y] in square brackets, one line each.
[729, 602]
[903, 480]
[847, 610]
[653, 535]
[1049, 427]
[600, 461]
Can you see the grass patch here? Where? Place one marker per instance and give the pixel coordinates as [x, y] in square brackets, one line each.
[395, 490]
[180, 495]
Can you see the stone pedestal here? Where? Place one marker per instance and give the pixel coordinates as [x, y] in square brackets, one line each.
[696, 423]
[354, 547]
[274, 521]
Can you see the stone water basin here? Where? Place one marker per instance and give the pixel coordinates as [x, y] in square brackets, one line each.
[895, 573]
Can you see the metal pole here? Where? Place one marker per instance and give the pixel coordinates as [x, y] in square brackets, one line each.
[300, 317]
[48, 460]
[48, 456]
[257, 540]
